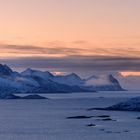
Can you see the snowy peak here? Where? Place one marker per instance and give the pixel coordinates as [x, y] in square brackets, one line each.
[92, 77]
[113, 80]
[5, 70]
[36, 73]
[103, 82]
[100, 80]
[27, 72]
[71, 79]
[73, 76]
[129, 82]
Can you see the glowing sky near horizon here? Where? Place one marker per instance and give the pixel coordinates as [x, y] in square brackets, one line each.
[130, 73]
[63, 28]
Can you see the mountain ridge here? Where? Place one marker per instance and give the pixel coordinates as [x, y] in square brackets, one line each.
[36, 81]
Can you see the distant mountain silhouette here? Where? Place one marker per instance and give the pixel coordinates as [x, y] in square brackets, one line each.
[35, 81]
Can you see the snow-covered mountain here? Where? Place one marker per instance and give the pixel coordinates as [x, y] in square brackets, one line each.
[71, 79]
[35, 81]
[103, 82]
[36, 73]
[128, 82]
[5, 70]
[130, 105]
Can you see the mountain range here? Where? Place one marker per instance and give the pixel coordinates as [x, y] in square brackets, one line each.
[35, 81]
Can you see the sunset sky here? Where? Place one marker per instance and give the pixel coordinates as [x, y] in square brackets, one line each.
[83, 36]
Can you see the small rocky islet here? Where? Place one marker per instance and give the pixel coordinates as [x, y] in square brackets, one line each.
[31, 96]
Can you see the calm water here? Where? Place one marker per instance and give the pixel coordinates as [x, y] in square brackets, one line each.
[46, 119]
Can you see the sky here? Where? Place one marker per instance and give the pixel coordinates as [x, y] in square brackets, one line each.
[83, 36]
